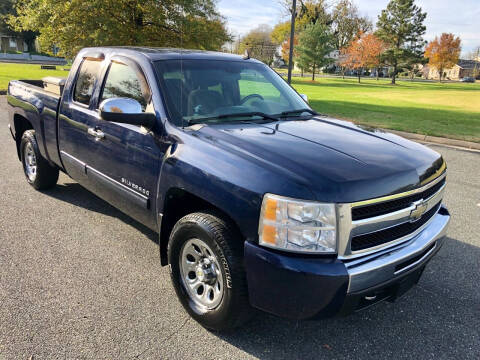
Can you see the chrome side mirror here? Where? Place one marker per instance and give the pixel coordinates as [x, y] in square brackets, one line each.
[126, 111]
[304, 97]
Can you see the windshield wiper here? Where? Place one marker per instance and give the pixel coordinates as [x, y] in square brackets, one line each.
[225, 116]
[297, 112]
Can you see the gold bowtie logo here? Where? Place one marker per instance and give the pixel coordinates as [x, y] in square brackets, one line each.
[420, 209]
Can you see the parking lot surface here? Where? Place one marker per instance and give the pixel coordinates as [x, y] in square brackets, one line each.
[80, 280]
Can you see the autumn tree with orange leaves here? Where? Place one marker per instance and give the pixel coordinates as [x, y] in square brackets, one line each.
[443, 52]
[363, 53]
[286, 48]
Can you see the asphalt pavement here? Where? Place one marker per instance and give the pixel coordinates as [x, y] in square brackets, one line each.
[80, 280]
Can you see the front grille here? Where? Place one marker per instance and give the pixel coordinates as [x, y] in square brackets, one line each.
[384, 236]
[368, 211]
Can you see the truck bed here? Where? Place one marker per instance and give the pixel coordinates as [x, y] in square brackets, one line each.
[38, 102]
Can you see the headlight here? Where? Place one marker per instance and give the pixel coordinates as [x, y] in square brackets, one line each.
[297, 226]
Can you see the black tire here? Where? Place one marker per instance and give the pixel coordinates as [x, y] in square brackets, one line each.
[227, 245]
[45, 175]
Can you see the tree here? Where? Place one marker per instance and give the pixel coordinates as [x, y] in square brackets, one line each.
[401, 27]
[347, 23]
[315, 44]
[363, 53]
[475, 55]
[308, 12]
[74, 24]
[281, 32]
[259, 44]
[7, 9]
[286, 48]
[443, 53]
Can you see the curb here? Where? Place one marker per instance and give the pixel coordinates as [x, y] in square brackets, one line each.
[437, 140]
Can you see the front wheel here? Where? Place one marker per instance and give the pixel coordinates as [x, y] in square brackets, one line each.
[205, 256]
[39, 173]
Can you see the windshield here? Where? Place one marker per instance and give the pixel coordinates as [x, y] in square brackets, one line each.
[210, 89]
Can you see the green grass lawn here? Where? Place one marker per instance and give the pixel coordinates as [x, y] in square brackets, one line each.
[448, 110]
[10, 71]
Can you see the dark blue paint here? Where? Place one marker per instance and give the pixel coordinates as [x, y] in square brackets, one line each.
[229, 166]
[297, 287]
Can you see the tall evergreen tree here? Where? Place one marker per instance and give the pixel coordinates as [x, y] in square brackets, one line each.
[401, 27]
[315, 44]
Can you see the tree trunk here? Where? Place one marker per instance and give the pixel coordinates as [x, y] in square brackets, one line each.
[440, 75]
[313, 73]
[343, 73]
[394, 75]
[359, 75]
[377, 73]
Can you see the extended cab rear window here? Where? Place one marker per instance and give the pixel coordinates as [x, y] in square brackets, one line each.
[87, 75]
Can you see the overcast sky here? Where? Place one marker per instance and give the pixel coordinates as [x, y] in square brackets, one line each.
[461, 17]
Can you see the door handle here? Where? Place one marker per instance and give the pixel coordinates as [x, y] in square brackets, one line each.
[96, 133]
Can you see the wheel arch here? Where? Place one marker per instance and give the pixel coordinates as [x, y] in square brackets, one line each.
[179, 203]
[21, 124]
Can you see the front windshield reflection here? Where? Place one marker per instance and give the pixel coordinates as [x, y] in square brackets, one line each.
[198, 89]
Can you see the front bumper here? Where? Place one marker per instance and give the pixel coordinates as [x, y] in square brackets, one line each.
[304, 287]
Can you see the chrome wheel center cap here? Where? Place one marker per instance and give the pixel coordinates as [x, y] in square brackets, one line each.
[205, 271]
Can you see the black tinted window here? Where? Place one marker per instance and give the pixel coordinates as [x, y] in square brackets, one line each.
[124, 81]
[196, 89]
[87, 75]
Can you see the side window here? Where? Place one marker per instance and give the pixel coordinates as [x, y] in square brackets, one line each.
[87, 75]
[124, 81]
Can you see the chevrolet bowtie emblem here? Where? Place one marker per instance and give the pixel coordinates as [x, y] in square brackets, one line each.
[420, 208]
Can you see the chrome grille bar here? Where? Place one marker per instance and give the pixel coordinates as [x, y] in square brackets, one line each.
[348, 228]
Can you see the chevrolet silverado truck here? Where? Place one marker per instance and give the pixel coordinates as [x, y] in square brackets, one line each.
[259, 201]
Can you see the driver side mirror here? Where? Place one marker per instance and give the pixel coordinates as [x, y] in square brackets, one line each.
[126, 111]
[304, 97]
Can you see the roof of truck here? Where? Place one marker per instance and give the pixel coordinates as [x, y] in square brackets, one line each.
[173, 53]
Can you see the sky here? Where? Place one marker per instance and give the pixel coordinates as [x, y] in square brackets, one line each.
[460, 17]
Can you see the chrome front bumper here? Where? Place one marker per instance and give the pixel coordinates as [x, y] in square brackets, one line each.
[386, 266]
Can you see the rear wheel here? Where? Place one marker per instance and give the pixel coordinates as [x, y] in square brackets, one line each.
[206, 260]
[39, 173]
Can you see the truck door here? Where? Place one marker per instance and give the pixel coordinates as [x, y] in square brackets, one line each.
[75, 115]
[124, 160]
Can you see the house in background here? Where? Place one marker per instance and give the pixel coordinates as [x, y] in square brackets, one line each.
[13, 43]
[464, 68]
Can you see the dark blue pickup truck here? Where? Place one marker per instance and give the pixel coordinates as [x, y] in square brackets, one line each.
[259, 202]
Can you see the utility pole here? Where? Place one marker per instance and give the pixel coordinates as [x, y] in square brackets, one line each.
[292, 36]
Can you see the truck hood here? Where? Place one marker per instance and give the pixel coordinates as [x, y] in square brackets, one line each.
[337, 160]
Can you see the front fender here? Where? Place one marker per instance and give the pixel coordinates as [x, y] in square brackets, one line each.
[230, 181]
